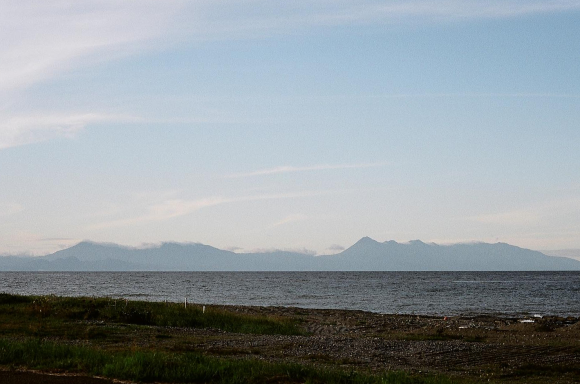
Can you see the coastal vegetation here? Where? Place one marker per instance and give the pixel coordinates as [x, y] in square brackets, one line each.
[54, 310]
[149, 366]
[112, 338]
[174, 343]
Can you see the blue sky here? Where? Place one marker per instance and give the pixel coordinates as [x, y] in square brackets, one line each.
[299, 125]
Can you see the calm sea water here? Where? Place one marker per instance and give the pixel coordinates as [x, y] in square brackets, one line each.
[431, 293]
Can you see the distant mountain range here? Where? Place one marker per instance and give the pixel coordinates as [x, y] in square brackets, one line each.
[365, 255]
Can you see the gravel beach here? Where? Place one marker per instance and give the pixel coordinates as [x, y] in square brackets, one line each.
[501, 349]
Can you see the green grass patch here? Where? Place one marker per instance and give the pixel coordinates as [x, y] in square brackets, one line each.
[51, 309]
[6, 298]
[165, 367]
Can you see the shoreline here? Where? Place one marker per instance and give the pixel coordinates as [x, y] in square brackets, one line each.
[467, 315]
[505, 349]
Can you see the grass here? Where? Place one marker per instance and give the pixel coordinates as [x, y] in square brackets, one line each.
[112, 338]
[54, 309]
[144, 366]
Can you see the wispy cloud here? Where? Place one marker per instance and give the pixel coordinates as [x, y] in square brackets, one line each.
[163, 211]
[304, 251]
[40, 39]
[515, 95]
[21, 130]
[290, 219]
[62, 239]
[293, 169]
[234, 249]
[173, 208]
[29, 243]
[242, 19]
[335, 248]
[461, 9]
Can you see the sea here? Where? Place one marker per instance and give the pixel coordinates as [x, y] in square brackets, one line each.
[425, 293]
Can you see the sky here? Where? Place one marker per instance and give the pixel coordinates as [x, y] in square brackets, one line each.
[295, 125]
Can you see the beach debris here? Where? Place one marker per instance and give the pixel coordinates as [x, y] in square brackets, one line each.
[527, 321]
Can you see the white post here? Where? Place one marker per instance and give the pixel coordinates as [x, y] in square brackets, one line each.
[186, 302]
[203, 309]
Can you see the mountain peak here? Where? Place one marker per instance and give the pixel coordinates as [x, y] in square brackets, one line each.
[417, 242]
[365, 244]
[366, 240]
[86, 244]
[365, 255]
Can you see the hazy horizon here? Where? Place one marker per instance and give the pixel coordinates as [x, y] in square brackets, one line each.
[566, 253]
[293, 126]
